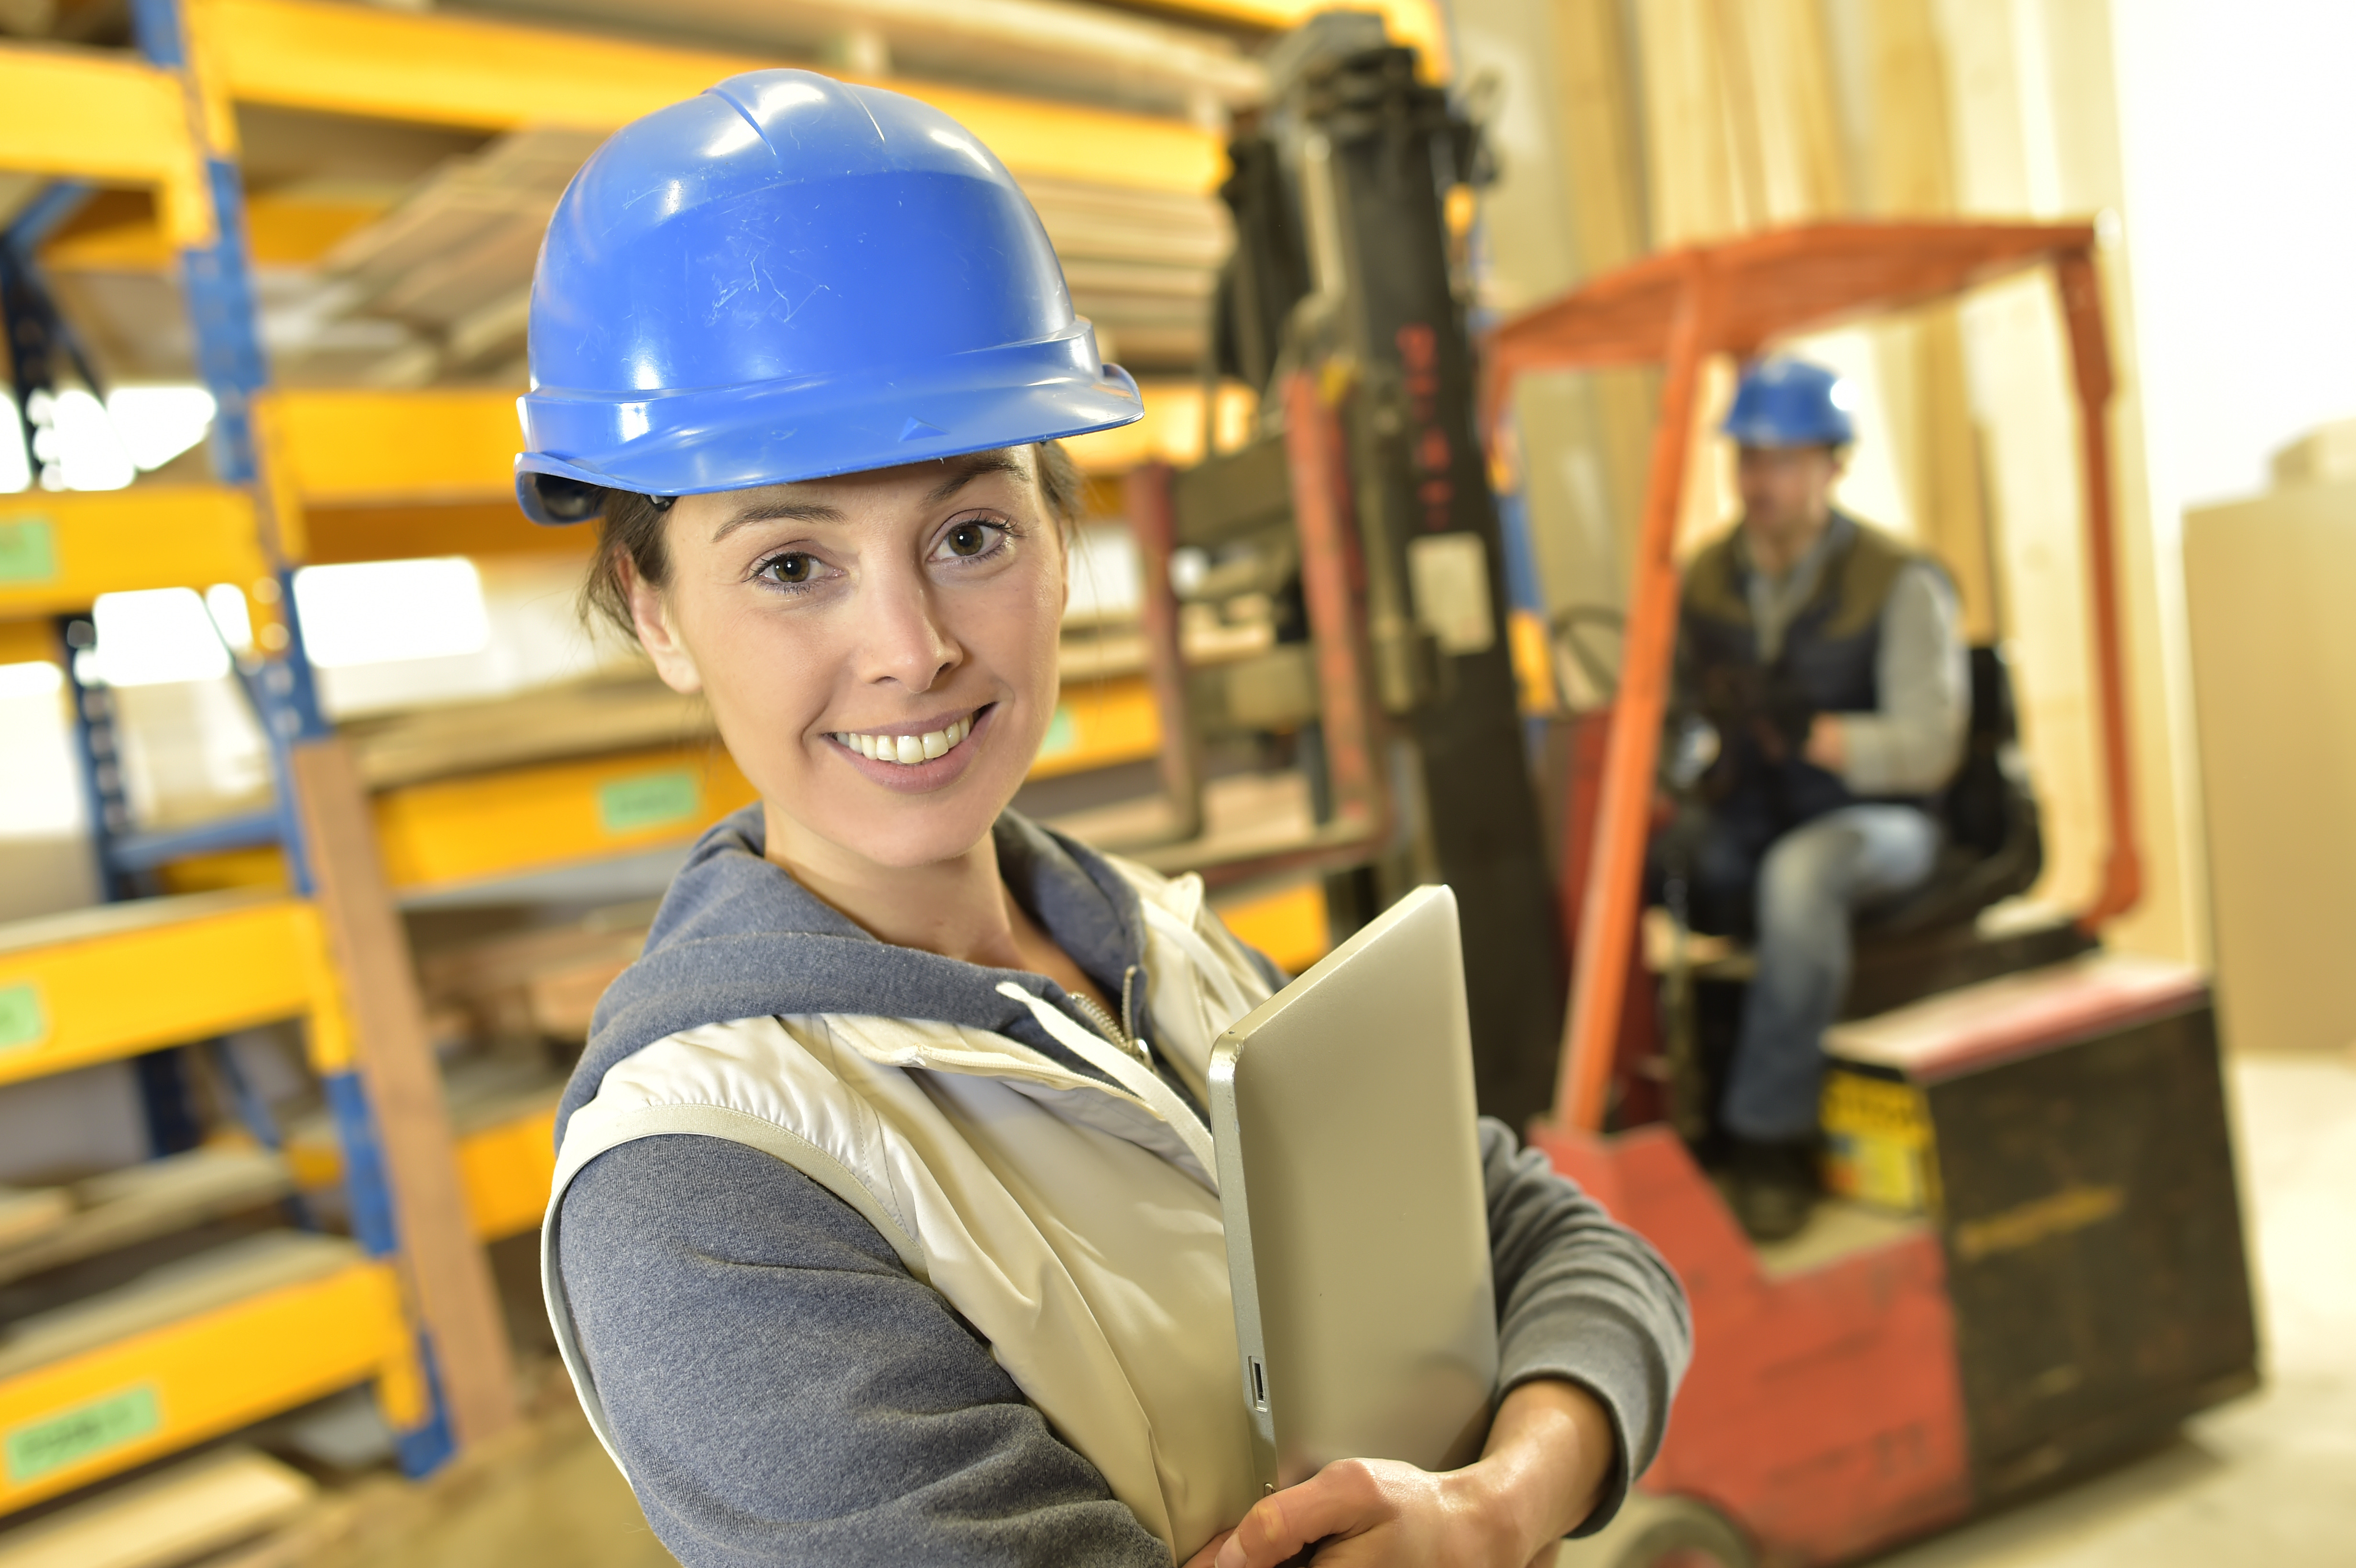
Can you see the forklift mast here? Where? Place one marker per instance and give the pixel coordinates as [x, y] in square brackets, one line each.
[1342, 303]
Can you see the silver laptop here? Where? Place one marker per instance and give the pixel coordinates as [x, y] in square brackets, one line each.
[1357, 1235]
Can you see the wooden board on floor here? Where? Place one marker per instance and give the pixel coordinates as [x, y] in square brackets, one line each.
[209, 1502]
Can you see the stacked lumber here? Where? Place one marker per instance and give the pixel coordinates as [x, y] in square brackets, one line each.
[138, 1203]
[574, 721]
[452, 264]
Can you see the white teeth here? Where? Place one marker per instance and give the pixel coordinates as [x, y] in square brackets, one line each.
[907, 750]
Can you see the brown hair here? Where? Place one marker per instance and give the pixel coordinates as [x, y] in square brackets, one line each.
[630, 526]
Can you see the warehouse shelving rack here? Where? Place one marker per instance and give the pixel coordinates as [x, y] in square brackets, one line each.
[206, 964]
[310, 476]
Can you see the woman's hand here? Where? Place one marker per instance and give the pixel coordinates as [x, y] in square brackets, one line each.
[1548, 1452]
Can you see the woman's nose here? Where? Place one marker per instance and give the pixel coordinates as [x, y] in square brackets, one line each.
[905, 639]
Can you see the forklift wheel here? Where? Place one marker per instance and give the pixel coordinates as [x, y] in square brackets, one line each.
[1661, 1533]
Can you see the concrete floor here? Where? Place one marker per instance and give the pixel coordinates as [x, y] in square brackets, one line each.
[2270, 1479]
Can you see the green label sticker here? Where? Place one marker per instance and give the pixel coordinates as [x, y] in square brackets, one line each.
[28, 551]
[39, 1447]
[1063, 733]
[649, 800]
[22, 1020]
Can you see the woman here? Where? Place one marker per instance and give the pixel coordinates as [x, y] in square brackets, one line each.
[869, 1242]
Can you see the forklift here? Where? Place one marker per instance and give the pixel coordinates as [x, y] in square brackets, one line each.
[2047, 1273]
[2036, 1267]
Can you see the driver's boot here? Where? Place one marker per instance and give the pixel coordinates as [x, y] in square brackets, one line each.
[1773, 1187]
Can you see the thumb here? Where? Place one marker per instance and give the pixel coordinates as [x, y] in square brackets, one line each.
[1207, 1557]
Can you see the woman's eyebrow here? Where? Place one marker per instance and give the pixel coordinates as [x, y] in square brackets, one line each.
[970, 469]
[777, 511]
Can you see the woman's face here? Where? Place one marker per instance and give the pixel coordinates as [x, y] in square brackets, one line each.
[878, 649]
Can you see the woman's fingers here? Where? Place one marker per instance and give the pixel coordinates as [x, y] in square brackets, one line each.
[1344, 1499]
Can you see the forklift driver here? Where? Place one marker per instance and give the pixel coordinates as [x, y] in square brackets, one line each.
[1820, 674]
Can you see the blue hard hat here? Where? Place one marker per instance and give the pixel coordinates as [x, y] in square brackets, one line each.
[1790, 403]
[788, 277]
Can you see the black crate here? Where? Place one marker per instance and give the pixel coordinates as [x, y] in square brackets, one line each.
[2094, 1246]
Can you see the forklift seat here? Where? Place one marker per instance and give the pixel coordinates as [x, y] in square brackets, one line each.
[1995, 836]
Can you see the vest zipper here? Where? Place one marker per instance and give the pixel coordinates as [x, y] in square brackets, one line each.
[1112, 1028]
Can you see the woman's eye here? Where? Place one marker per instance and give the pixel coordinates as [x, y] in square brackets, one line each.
[791, 567]
[969, 538]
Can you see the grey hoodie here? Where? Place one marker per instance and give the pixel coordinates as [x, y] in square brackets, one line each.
[784, 1392]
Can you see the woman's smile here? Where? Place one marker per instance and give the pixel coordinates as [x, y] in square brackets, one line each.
[919, 755]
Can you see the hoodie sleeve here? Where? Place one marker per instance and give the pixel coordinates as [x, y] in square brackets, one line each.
[782, 1390]
[1582, 1297]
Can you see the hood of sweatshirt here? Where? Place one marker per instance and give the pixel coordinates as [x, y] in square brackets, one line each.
[737, 937]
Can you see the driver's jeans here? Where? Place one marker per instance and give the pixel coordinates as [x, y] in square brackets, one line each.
[1810, 882]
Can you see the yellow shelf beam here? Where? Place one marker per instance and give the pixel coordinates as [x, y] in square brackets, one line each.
[443, 446]
[106, 983]
[521, 821]
[1170, 432]
[507, 1167]
[514, 823]
[499, 75]
[360, 447]
[1099, 724]
[1415, 22]
[95, 1414]
[59, 551]
[83, 114]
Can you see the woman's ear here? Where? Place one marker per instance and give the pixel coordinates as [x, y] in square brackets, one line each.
[650, 613]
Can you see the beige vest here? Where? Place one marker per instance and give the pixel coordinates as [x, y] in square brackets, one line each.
[1076, 1226]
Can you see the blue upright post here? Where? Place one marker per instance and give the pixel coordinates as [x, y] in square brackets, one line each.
[226, 325]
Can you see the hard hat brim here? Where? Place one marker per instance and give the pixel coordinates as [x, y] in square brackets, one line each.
[711, 440]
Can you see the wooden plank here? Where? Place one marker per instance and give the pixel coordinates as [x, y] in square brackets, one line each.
[59, 550]
[171, 1517]
[582, 720]
[1912, 166]
[77, 113]
[248, 1267]
[206, 963]
[499, 76]
[452, 1282]
[152, 1199]
[206, 1370]
[1604, 170]
[28, 1213]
